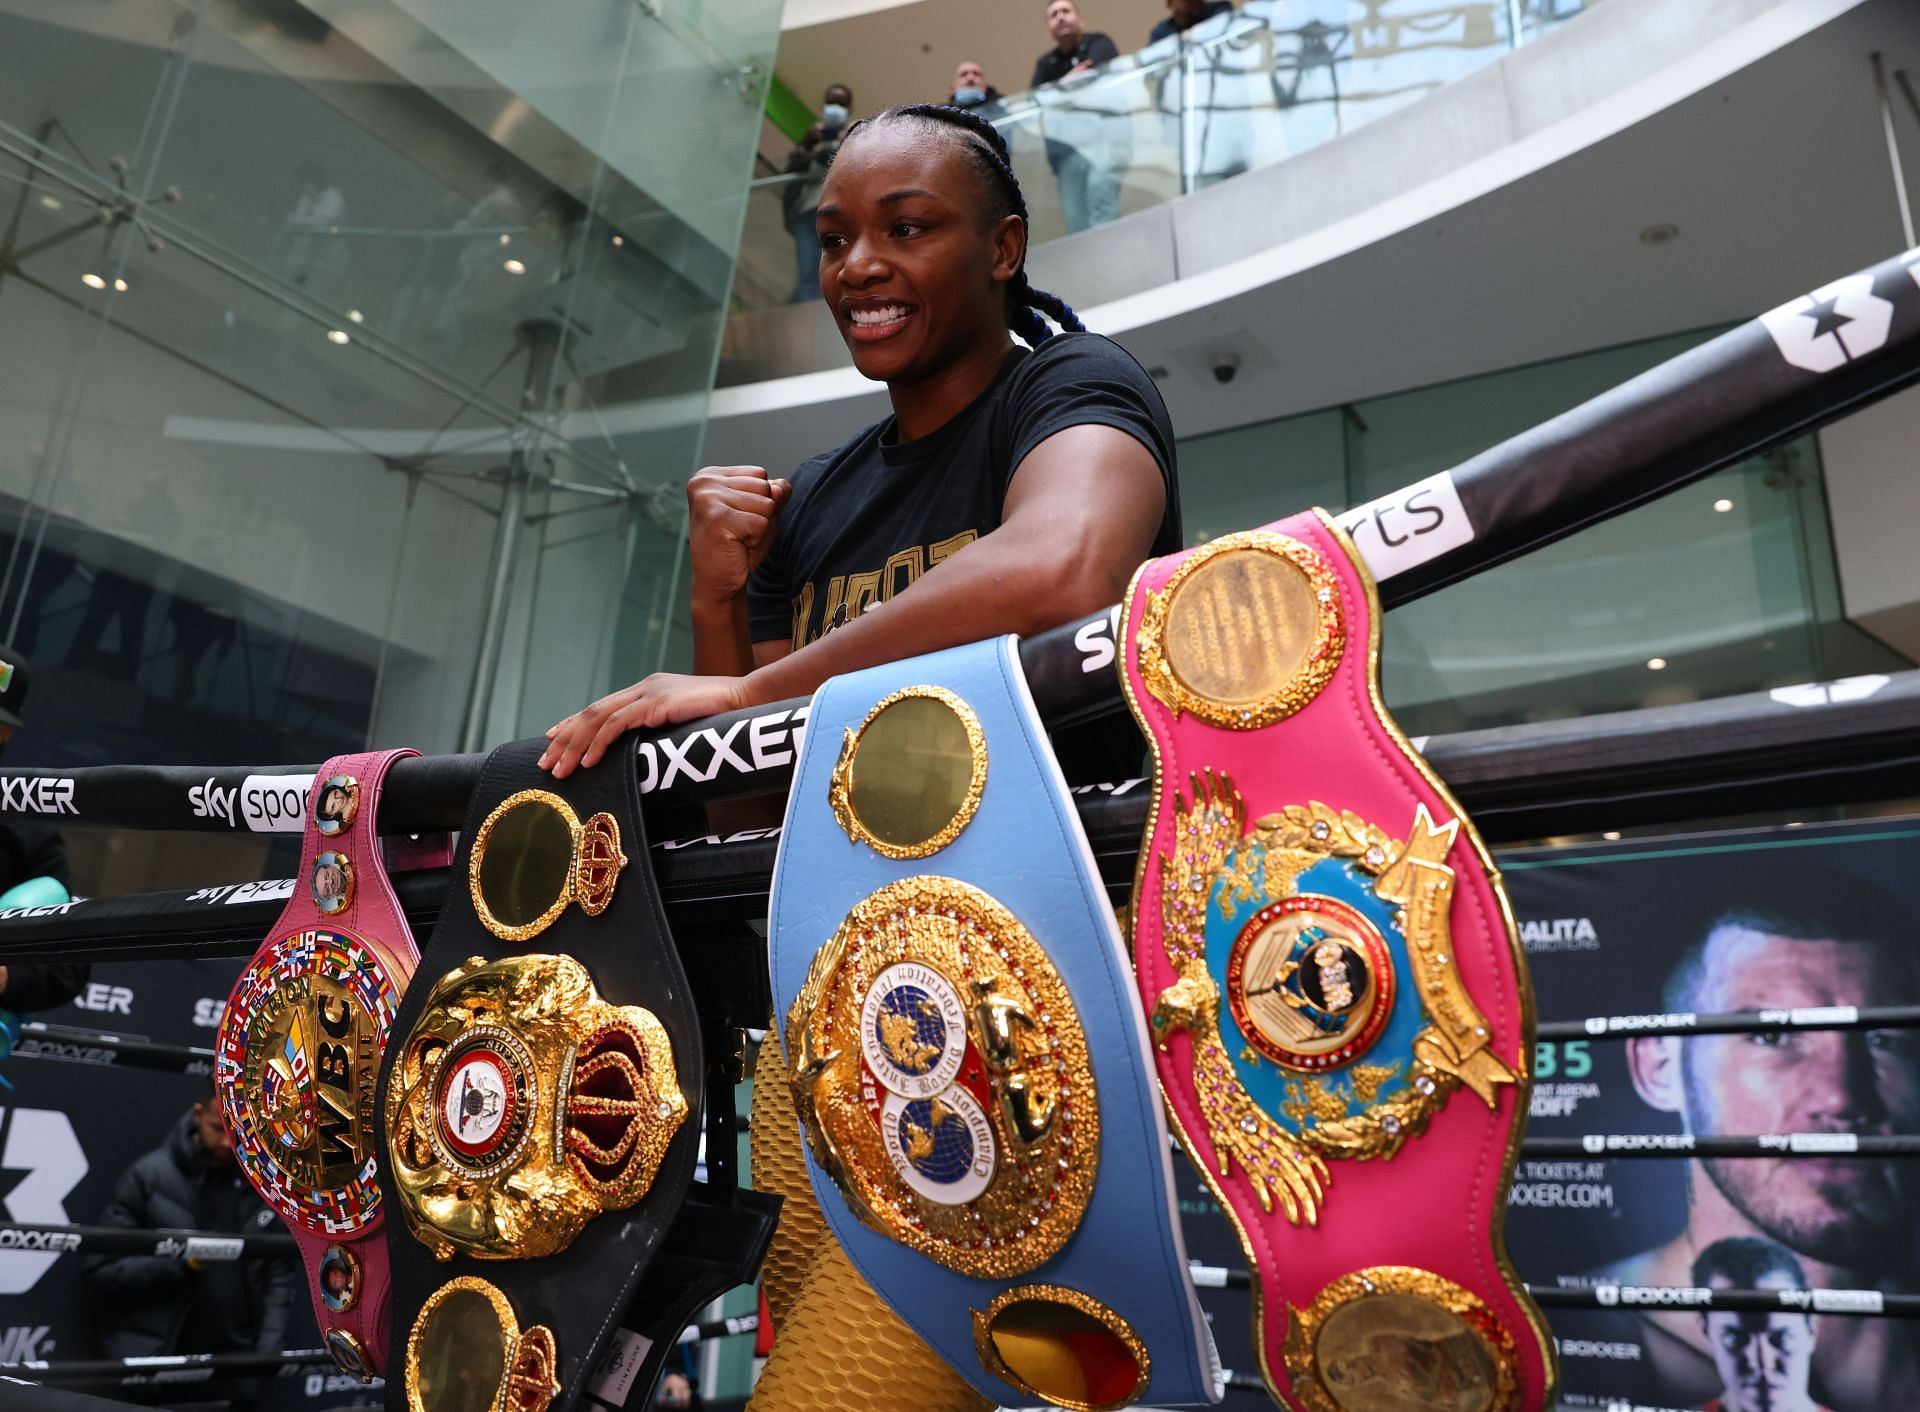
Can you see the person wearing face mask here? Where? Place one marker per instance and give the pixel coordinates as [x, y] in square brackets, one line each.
[33, 871]
[970, 86]
[800, 197]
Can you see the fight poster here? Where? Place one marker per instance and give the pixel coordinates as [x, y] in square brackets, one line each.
[1782, 919]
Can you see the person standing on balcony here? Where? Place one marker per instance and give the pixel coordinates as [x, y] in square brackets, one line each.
[1086, 149]
[1183, 15]
[970, 86]
[1013, 488]
[807, 166]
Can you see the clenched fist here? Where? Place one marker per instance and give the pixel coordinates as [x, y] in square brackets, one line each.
[730, 517]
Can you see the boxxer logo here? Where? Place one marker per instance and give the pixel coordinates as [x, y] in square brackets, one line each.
[750, 744]
[1821, 331]
[40, 1143]
[37, 794]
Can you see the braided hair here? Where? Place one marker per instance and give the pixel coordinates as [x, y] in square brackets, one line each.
[1025, 304]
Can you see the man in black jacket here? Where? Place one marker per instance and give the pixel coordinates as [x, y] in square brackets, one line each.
[151, 1304]
[29, 851]
[1087, 148]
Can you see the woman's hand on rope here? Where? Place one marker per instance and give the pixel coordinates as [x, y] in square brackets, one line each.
[662, 699]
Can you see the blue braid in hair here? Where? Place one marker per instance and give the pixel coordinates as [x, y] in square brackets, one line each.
[1025, 304]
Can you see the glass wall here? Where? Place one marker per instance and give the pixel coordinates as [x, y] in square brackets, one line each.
[356, 353]
[1727, 586]
[1239, 91]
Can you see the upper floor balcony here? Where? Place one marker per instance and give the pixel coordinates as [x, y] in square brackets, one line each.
[1237, 93]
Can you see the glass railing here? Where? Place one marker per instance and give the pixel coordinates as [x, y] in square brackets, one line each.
[1241, 91]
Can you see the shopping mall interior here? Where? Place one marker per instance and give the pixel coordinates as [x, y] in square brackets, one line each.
[355, 356]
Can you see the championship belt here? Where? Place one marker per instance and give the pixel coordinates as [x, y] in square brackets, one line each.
[534, 1103]
[966, 1057]
[1334, 983]
[299, 1052]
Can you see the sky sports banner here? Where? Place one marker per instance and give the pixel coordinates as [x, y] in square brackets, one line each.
[1787, 919]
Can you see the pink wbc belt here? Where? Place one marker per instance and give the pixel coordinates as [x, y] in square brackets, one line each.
[299, 1050]
[1341, 1012]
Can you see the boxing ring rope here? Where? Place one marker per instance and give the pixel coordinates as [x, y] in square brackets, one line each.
[1759, 384]
[75, 1046]
[180, 1367]
[1798, 747]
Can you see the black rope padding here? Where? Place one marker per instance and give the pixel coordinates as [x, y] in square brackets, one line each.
[180, 1366]
[1709, 408]
[166, 1244]
[1788, 1146]
[75, 1046]
[1820, 1017]
[1521, 782]
[1867, 1303]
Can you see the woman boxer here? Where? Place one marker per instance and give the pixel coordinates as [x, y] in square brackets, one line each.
[1052, 469]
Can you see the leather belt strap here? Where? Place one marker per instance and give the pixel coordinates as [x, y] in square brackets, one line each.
[299, 1048]
[973, 1073]
[534, 1102]
[1332, 973]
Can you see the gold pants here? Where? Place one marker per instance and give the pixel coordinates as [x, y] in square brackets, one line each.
[837, 1345]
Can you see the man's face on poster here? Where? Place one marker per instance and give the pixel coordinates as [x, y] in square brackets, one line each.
[1764, 1360]
[1841, 1210]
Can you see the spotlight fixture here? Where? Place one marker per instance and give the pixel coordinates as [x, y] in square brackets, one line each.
[52, 203]
[92, 280]
[356, 316]
[514, 267]
[1656, 664]
[1611, 835]
[119, 286]
[336, 335]
[505, 239]
[619, 240]
[1723, 505]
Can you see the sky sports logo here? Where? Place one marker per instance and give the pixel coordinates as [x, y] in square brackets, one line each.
[264, 803]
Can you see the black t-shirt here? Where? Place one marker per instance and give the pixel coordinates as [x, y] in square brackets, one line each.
[866, 520]
[1053, 66]
[1167, 26]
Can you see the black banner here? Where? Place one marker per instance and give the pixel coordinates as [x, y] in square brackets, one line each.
[1811, 924]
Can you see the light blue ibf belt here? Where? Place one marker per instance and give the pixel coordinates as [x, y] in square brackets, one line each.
[969, 1060]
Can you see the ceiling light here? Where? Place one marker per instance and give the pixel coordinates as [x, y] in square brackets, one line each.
[505, 239]
[356, 316]
[514, 267]
[1723, 505]
[1656, 664]
[335, 335]
[619, 240]
[119, 286]
[52, 203]
[92, 280]
[1660, 233]
[1611, 835]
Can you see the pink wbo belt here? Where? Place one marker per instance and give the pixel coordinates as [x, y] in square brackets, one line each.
[1328, 960]
[299, 1050]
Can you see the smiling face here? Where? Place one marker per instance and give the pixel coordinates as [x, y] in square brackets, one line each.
[916, 254]
[1063, 23]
